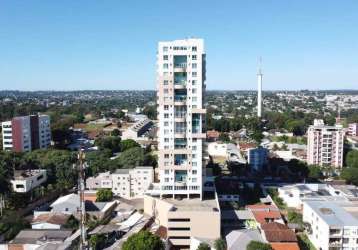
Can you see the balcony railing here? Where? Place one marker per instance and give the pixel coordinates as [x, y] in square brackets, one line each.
[180, 98]
[179, 82]
[180, 162]
[196, 129]
[180, 186]
[180, 65]
[180, 114]
[335, 232]
[335, 243]
[180, 130]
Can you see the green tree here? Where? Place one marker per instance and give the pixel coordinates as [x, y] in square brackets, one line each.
[58, 163]
[120, 114]
[294, 217]
[150, 160]
[276, 199]
[112, 143]
[60, 128]
[297, 127]
[350, 174]
[220, 244]
[315, 172]
[352, 159]
[11, 224]
[104, 194]
[203, 246]
[304, 243]
[150, 111]
[97, 241]
[130, 158]
[257, 245]
[98, 161]
[115, 132]
[129, 143]
[224, 137]
[72, 223]
[8, 161]
[143, 240]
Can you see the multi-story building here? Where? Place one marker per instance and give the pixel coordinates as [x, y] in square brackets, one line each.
[332, 224]
[127, 183]
[26, 180]
[353, 129]
[132, 182]
[26, 133]
[181, 116]
[257, 158]
[181, 76]
[325, 144]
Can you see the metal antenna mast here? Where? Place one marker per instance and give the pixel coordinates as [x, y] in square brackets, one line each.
[259, 89]
[81, 187]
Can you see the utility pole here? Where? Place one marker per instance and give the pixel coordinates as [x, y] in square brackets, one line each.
[81, 187]
[2, 204]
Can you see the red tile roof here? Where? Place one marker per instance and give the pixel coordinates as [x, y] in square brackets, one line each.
[245, 145]
[277, 232]
[212, 134]
[53, 218]
[285, 246]
[264, 213]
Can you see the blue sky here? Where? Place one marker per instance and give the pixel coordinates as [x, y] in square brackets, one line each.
[65, 45]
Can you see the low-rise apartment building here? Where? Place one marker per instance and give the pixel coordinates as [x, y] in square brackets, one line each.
[332, 224]
[137, 130]
[26, 180]
[127, 183]
[295, 195]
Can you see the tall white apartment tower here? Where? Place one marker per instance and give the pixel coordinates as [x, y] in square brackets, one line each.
[259, 91]
[181, 77]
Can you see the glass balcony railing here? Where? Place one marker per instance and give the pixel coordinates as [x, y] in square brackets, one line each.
[180, 61]
[180, 162]
[196, 130]
[180, 98]
[180, 143]
[180, 82]
[179, 146]
[180, 176]
[180, 65]
[180, 130]
[180, 78]
[180, 159]
[180, 114]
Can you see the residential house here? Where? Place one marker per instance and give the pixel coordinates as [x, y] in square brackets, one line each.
[49, 221]
[26, 180]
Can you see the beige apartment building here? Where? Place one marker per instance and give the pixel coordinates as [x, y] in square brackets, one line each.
[325, 144]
